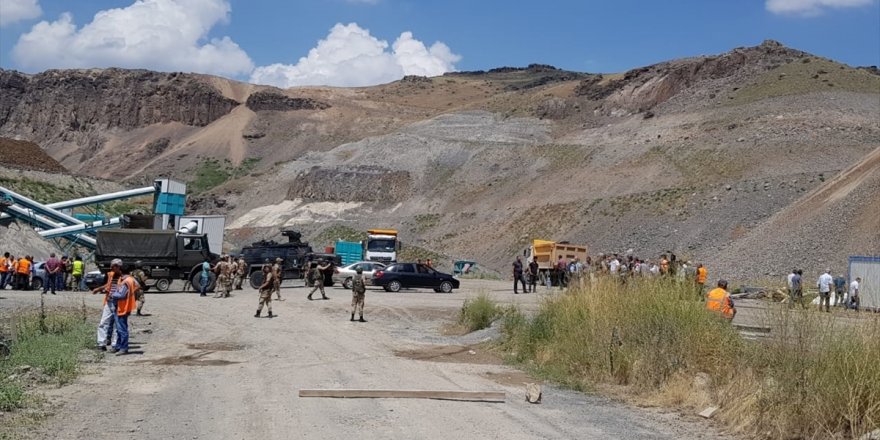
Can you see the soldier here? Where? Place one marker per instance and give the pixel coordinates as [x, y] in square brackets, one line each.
[141, 278]
[358, 290]
[266, 291]
[224, 277]
[240, 271]
[318, 276]
[276, 271]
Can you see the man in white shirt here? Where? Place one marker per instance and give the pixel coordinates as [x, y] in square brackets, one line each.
[788, 281]
[854, 298]
[614, 266]
[825, 284]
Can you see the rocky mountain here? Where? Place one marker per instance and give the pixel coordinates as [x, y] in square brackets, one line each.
[714, 157]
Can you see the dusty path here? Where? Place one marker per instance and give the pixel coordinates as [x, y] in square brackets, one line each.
[210, 370]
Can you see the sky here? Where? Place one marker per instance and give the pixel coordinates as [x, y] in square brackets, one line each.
[364, 42]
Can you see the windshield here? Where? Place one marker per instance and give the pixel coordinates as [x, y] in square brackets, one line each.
[381, 245]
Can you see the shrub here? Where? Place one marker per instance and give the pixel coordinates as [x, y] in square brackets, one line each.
[478, 312]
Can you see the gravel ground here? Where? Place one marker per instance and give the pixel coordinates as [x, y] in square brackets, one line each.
[205, 368]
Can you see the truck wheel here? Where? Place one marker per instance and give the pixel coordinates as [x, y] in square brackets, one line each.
[394, 286]
[196, 281]
[256, 279]
[163, 284]
[446, 287]
[347, 283]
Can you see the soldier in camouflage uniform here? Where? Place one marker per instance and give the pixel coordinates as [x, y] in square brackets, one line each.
[141, 278]
[224, 277]
[358, 291]
[266, 291]
[240, 271]
[318, 277]
[276, 271]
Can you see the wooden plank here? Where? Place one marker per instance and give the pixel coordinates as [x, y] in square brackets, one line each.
[475, 396]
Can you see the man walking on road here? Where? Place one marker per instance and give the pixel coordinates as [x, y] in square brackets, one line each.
[358, 293]
[825, 284]
[266, 291]
[240, 272]
[318, 277]
[518, 276]
[224, 280]
[53, 271]
[124, 294]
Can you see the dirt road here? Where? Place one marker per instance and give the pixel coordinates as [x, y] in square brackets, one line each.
[205, 368]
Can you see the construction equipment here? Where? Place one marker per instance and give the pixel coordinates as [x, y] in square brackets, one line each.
[546, 254]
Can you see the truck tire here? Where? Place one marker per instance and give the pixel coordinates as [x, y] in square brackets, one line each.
[163, 284]
[196, 281]
[256, 279]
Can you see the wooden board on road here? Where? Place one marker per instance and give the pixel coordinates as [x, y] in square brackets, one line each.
[473, 396]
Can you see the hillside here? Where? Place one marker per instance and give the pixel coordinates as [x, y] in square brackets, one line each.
[706, 156]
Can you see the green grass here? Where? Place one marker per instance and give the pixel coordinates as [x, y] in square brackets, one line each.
[333, 233]
[479, 312]
[812, 379]
[43, 192]
[425, 222]
[49, 346]
[211, 173]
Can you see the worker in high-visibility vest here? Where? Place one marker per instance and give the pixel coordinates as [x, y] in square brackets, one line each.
[77, 272]
[702, 275]
[718, 300]
[23, 274]
[4, 270]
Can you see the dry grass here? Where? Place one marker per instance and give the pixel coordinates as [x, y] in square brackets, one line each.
[813, 378]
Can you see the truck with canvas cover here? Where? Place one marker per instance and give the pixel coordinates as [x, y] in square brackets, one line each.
[382, 246]
[164, 255]
[292, 253]
[546, 254]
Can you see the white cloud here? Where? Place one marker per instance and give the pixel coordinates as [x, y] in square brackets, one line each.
[12, 11]
[811, 7]
[351, 57]
[166, 35]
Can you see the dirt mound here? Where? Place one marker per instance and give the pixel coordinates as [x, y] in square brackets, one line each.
[27, 155]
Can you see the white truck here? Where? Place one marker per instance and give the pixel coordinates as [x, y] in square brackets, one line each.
[382, 246]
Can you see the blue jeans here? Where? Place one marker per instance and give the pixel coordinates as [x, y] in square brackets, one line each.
[121, 333]
[4, 279]
[203, 288]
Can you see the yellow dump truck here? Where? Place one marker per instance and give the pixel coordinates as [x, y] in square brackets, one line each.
[546, 254]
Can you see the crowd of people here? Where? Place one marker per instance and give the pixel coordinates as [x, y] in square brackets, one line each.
[55, 274]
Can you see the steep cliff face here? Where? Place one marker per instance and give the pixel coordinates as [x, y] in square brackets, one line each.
[80, 105]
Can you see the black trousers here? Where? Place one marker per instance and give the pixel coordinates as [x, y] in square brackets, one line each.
[518, 278]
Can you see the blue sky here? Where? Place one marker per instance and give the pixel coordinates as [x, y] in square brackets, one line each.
[263, 40]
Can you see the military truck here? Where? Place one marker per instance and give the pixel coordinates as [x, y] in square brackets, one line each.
[164, 255]
[293, 255]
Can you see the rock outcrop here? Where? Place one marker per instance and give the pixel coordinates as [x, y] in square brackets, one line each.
[266, 100]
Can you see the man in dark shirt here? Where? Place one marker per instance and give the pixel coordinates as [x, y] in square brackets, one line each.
[533, 275]
[518, 275]
[53, 271]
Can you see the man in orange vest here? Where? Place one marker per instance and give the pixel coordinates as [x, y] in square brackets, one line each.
[4, 270]
[702, 274]
[23, 273]
[718, 301]
[124, 293]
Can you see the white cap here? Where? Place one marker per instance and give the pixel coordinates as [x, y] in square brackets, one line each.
[116, 262]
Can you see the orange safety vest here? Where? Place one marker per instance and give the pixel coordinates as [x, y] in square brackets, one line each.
[702, 273]
[24, 267]
[718, 300]
[126, 305]
[3, 267]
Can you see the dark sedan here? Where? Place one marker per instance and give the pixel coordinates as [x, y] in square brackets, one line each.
[411, 275]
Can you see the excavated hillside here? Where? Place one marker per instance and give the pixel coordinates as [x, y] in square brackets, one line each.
[706, 156]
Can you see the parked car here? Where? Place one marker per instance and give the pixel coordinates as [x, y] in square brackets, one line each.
[38, 280]
[344, 275]
[94, 279]
[412, 275]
